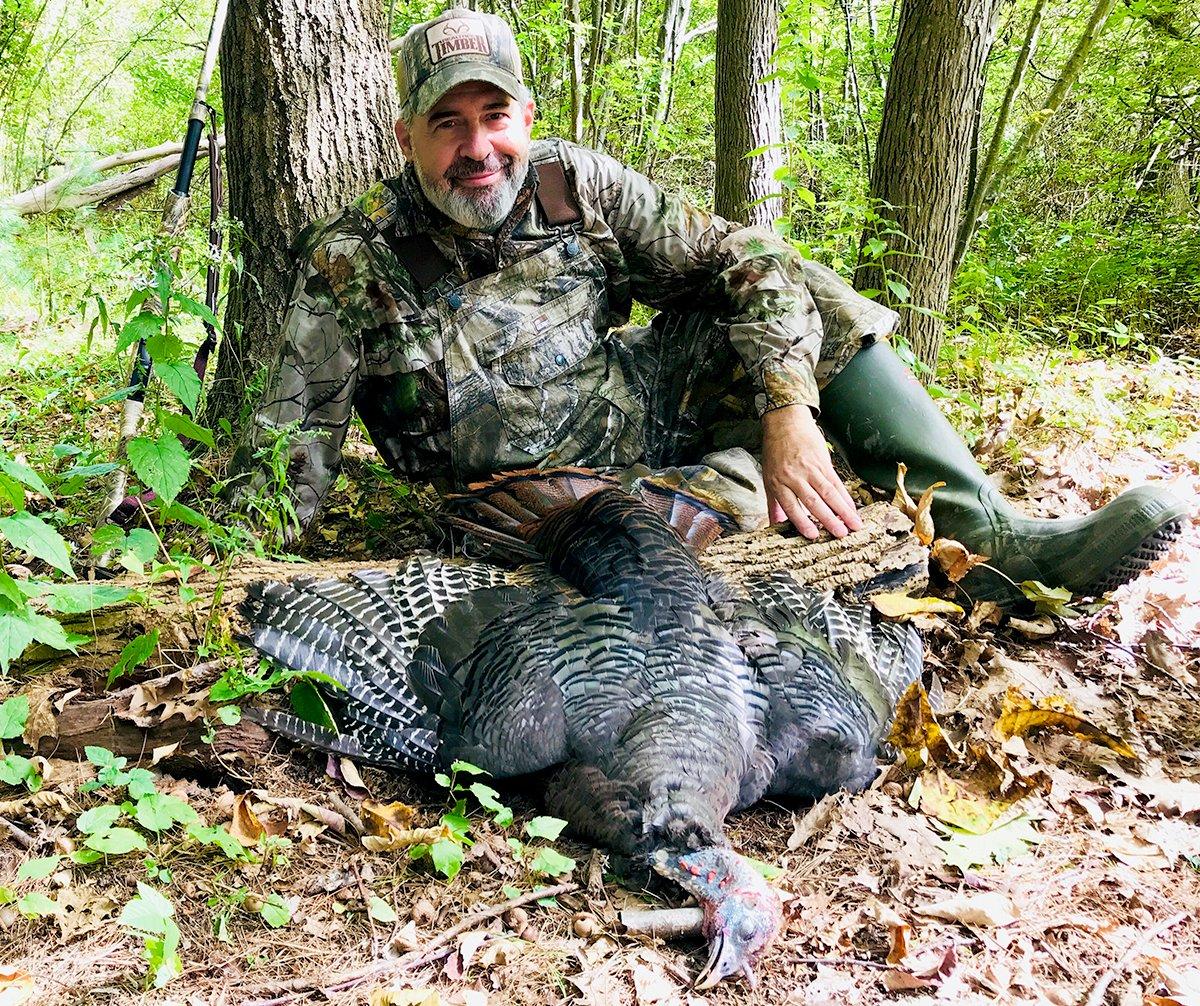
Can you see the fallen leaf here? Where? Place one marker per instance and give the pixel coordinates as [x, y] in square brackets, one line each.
[16, 987]
[958, 803]
[1168, 796]
[41, 721]
[159, 753]
[917, 512]
[898, 930]
[389, 827]
[954, 558]
[816, 819]
[925, 968]
[245, 826]
[902, 607]
[1021, 716]
[983, 613]
[991, 908]
[651, 986]
[1033, 628]
[966, 850]
[915, 733]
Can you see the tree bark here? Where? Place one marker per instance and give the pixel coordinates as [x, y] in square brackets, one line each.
[309, 106]
[748, 112]
[921, 159]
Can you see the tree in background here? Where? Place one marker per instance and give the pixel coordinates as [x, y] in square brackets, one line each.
[309, 107]
[748, 113]
[920, 173]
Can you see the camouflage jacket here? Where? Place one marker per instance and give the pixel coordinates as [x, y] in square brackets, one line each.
[504, 355]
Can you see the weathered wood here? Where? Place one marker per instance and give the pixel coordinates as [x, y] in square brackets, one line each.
[135, 721]
[884, 555]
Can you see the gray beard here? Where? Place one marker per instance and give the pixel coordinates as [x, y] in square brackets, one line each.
[482, 211]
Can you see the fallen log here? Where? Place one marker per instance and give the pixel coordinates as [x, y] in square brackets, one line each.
[59, 194]
[883, 556]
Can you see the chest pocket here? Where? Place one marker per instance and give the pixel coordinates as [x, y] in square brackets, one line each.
[548, 343]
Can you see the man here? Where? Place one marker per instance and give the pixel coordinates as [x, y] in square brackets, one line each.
[469, 311]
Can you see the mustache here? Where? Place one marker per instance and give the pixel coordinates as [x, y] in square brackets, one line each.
[465, 167]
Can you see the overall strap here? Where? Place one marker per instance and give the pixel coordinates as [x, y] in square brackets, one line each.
[421, 258]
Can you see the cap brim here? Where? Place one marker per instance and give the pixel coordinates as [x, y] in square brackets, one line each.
[446, 77]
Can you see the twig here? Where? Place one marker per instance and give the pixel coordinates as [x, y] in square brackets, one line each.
[19, 835]
[417, 959]
[845, 962]
[362, 893]
[1096, 995]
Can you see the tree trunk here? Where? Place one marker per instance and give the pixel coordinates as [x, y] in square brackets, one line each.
[921, 159]
[309, 105]
[674, 28]
[575, 62]
[748, 112]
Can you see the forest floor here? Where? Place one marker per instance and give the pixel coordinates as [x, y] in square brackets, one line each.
[1007, 865]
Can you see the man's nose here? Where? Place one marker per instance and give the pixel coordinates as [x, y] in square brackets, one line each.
[477, 145]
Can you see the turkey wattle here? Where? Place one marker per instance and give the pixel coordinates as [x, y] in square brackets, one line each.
[665, 702]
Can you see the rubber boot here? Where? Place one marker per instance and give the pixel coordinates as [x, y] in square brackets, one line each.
[877, 414]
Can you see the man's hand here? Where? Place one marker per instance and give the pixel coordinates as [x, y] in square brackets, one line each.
[799, 477]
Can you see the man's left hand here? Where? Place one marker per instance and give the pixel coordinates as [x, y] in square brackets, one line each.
[798, 474]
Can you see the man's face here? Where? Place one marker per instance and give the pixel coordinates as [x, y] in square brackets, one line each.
[471, 153]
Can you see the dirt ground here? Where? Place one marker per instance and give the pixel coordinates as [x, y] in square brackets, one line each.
[1005, 865]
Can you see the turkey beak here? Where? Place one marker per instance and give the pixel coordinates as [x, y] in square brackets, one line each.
[716, 967]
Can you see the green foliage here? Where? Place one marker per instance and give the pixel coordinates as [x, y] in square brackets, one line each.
[151, 916]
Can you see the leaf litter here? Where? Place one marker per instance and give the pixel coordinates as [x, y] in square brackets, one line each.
[1041, 823]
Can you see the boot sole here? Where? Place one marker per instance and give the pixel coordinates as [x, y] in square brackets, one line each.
[1152, 548]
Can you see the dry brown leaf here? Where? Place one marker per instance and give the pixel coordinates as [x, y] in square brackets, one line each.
[902, 607]
[955, 559]
[16, 987]
[1168, 796]
[983, 613]
[1021, 716]
[915, 733]
[1033, 628]
[898, 930]
[817, 818]
[41, 722]
[158, 754]
[902, 501]
[651, 986]
[389, 827]
[245, 826]
[925, 968]
[991, 908]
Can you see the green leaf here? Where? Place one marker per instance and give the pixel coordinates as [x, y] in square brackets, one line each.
[1048, 600]
[310, 705]
[142, 543]
[467, 768]
[140, 326]
[551, 863]
[380, 910]
[148, 912]
[161, 464]
[458, 823]
[222, 839]
[163, 956]
[447, 857]
[24, 474]
[965, 850]
[98, 819]
[17, 770]
[12, 492]
[36, 903]
[768, 871]
[85, 857]
[139, 783]
[135, 653]
[275, 912]
[14, 713]
[548, 828]
[186, 428]
[77, 598]
[38, 869]
[489, 799]
[186, 515]
[229, 715]
[194, 307]
[899, 290]
[33, 535]
[510, 892]
[160, 811]
[10, 591]
[16, 633]
[116, 841]
[103, 758]
[165, 348]
[184, 382]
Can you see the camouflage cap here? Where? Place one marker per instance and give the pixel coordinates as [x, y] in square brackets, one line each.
[455, 47]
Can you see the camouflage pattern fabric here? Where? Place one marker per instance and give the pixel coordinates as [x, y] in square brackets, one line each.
[513, 357]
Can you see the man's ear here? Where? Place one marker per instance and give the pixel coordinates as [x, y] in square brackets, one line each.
[530, 112]
[404, 138]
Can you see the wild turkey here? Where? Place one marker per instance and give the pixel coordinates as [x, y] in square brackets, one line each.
[666, 701]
